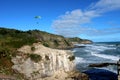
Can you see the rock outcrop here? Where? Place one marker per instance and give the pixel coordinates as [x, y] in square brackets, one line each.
[101, 64]
[76, 75]
[51, 62]
[38, 62]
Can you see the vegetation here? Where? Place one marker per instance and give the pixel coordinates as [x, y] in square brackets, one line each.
[5, 60]
[15, 38]
[11, 40]
[67, 42]
[47, 57]
[35, 73]
[75, 39]
[71, 58]
[56, 42]
[45, 44]
[35, 57]
[33, 48]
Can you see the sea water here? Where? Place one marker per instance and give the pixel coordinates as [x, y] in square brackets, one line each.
[103, 52]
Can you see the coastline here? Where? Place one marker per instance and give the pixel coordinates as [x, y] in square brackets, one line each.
[52, 63]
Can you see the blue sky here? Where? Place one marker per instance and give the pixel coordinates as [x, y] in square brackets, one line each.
[97, 20]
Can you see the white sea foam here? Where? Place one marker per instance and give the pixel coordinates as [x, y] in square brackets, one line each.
[98, 49]
[79, 44]
[103, 47]
[74, 51]
[115, 58]
[92, 54]
[79, 60]
[110, 68]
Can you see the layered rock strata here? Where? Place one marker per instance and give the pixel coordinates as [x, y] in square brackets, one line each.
[50, 63]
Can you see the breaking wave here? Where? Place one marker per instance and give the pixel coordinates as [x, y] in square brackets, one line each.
[115, 58]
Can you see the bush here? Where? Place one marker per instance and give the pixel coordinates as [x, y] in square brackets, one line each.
[35, 57]
[56, 42]
[67, 43]
[5, 53]
[33, 48]
[71, 58]
[47, 57]
[46, 44]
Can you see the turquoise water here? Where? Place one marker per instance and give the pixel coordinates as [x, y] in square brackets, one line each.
[97, 53]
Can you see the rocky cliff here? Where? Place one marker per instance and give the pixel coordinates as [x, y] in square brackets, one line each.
[42, 63]
[21, 58]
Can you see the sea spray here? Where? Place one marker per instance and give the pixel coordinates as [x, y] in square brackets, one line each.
[96, 53]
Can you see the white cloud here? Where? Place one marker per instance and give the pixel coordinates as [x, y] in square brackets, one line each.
[106, 5]
[72, 23]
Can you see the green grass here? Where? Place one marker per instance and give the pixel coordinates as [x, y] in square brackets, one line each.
[46, 44]
[35, 57]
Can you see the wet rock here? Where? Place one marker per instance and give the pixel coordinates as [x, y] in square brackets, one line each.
[101, 74]
[101, 64]
[76, 75]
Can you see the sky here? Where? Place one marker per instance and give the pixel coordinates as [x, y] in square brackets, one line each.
[97, 20]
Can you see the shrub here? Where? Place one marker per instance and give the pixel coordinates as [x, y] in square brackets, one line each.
[47, 57]
[71, 58]
[5, 52]
[33, 48]
[46, 44]
[56, 43]
[35, 57]
[67, 43]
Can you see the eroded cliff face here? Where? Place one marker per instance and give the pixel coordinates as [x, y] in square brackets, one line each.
[37, 62]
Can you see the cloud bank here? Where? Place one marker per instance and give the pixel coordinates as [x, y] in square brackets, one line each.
[72, 23]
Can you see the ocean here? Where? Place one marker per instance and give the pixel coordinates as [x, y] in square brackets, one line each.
[100, 52]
